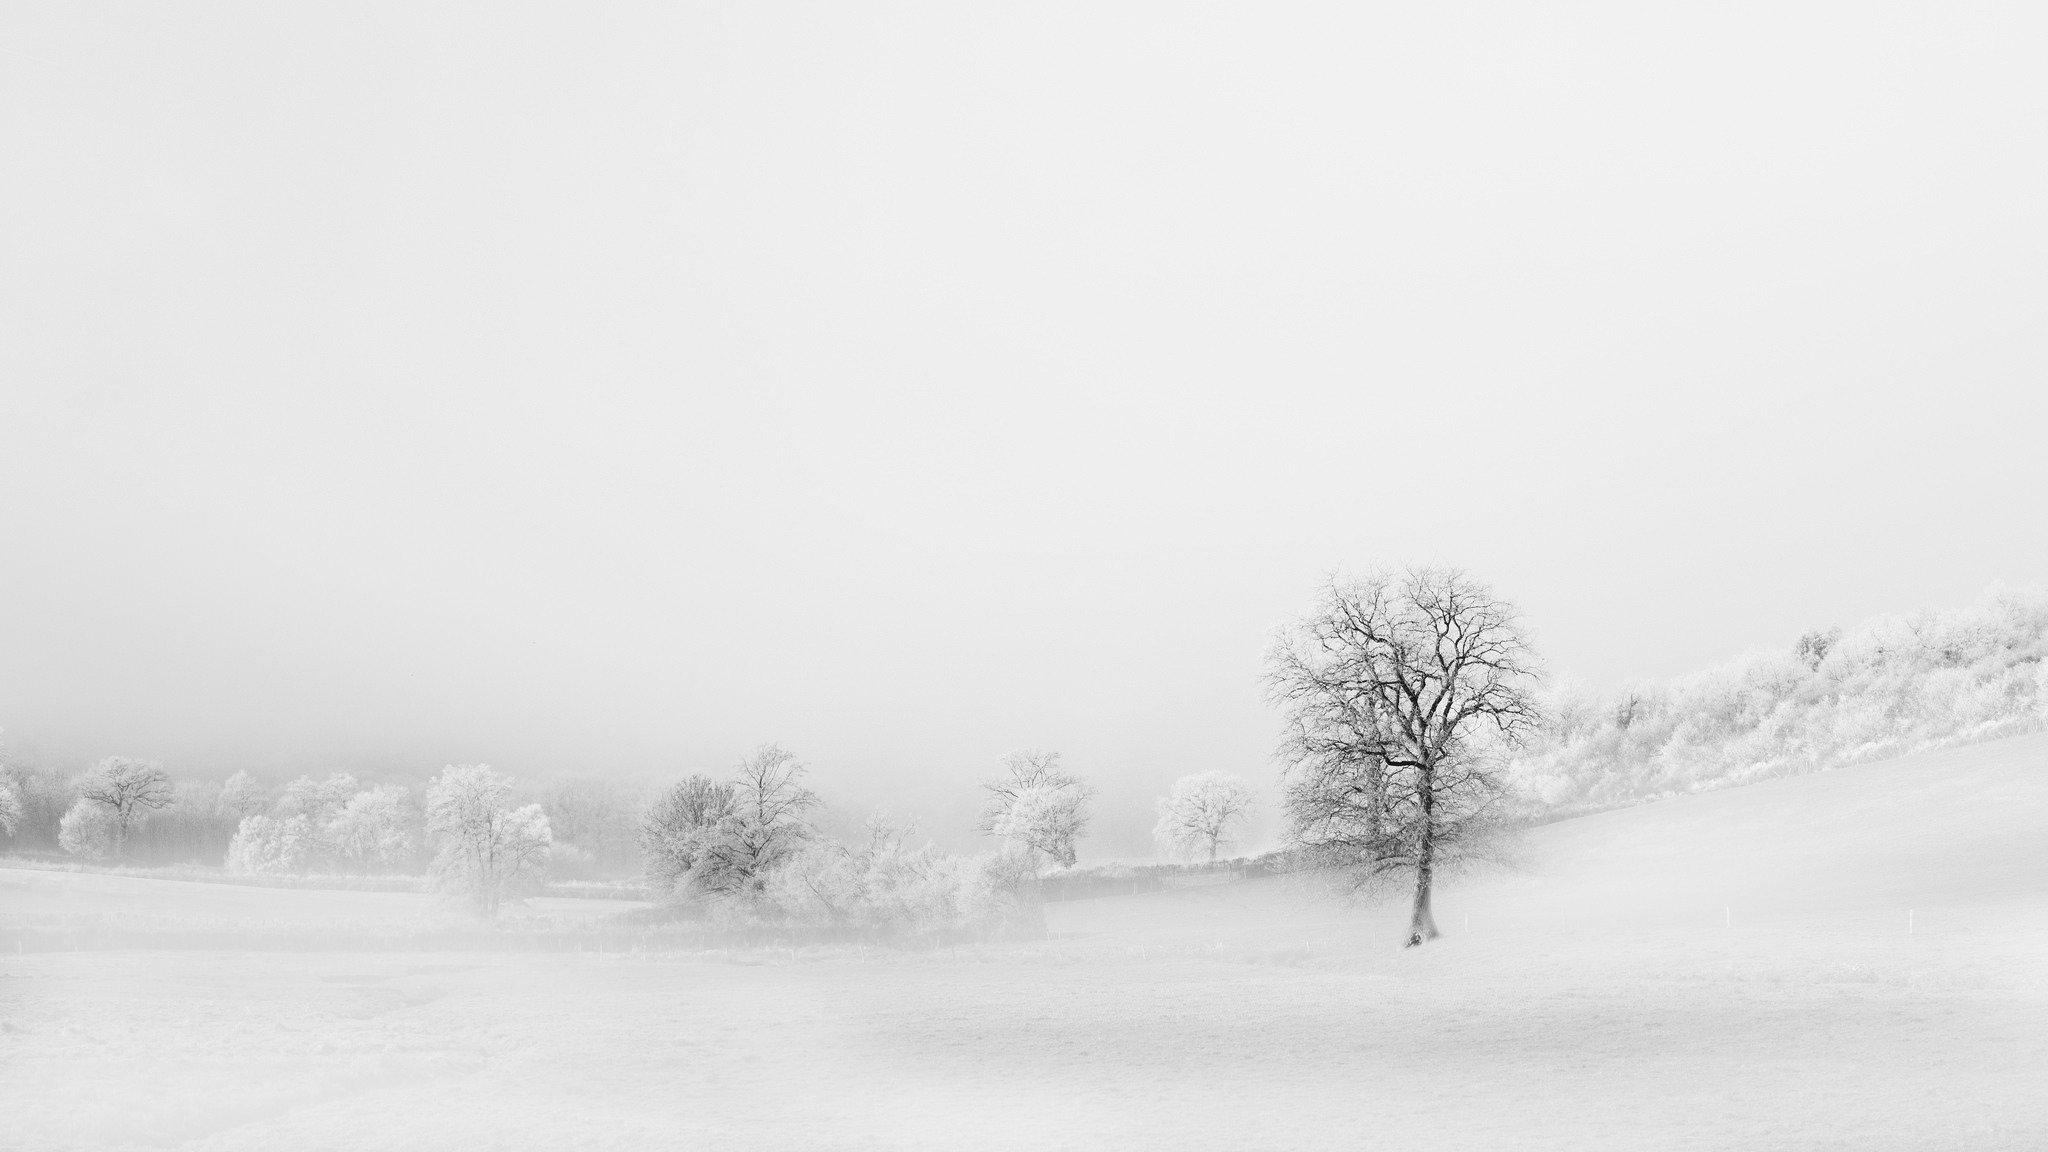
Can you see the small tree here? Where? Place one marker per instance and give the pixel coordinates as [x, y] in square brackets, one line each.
[129, 790]
[45, 796]
[1399, 693]
[487, 850]
[10, 806]
[678, 834]
[1198, 815]
[1037, 808]
[87, 830]
[242, 797]
[317, 800]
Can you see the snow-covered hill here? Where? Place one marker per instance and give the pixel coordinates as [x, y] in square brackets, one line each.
[1890, 686]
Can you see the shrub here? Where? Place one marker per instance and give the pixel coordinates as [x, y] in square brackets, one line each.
[888, 889]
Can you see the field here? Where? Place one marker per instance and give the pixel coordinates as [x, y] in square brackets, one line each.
[1855, 960]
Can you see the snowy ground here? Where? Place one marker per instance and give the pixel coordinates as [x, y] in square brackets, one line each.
[1725, 971]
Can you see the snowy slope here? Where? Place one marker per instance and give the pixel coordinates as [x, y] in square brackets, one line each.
[1950, 829]
[1725, 971]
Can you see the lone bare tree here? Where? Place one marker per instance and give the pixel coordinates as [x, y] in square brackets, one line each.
[1398, 692]
[1199, 813]
[128, 790]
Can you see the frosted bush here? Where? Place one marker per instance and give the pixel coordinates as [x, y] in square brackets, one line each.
[888, 888]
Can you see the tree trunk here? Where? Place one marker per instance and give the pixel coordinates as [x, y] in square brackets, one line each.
[1421, 923]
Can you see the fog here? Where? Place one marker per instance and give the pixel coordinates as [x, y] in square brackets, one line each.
[387, 387]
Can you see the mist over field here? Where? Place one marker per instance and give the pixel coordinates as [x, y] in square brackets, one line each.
[1105, 575]
[1855, 957]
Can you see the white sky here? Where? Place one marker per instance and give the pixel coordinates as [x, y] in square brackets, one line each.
[610, 391]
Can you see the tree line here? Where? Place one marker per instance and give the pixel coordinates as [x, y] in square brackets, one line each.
[749, 842]
[1404, 699]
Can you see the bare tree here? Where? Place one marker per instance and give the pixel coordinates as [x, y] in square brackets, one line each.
[242, 797]
[1398, 691]
[769, 819]
[129, 790]
[1037, 806]
[1198, 814]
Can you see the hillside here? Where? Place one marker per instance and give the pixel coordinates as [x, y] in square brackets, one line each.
[1945, 836]
[1890, 686]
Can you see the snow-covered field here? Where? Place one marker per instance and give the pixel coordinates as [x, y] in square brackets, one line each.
[1857, 960]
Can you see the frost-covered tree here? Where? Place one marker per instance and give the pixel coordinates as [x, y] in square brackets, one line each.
[1039, 809]
[679, 833]
[375, 828]
[1400, 693]
[273, 844]
[706, 839]
[1200, 813]
[317, 800]
[129, 790]
[241, 796]
[770, 816]
[10, 805]
[487, 850]
[86, 829]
